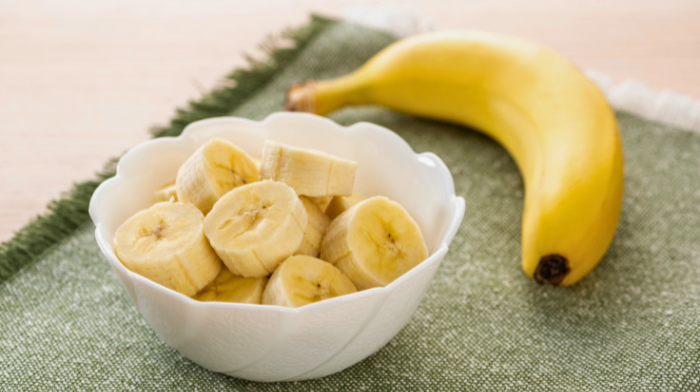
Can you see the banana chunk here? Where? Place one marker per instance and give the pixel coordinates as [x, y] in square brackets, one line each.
[339, 204]
[166, 193]
[228, 287]
[255, 227]
[212, 171]
[309, 172]
[316, 229]
[302, 280]
[321, 201]
[257, 162]
[374, 242]
[165, 243]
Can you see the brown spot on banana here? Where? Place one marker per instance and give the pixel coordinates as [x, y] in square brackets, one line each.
[552, 269]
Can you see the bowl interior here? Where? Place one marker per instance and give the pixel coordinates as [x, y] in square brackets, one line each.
[386, 166]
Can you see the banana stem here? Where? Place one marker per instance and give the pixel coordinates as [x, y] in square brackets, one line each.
[323, 97]
[301, 97]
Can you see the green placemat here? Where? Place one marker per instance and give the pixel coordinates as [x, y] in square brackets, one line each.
[632, 325]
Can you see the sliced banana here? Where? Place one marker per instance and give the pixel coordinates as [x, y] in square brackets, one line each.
[321, 201]
[309, 172]
[339, 204]
[165, 243]
[318, 223]
[212, 171]
[257, 162]
[228, 287]
[167, 193]
[302, 280]
[255, 227]
[374, 242]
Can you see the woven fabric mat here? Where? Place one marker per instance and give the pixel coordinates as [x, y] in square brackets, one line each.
[66, 323]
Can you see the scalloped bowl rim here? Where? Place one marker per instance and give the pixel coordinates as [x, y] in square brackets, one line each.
[424, 158]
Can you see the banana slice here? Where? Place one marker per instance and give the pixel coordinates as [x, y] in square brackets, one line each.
[321, 201]
[309, 172]
[255, 227]
[212, 171]
[165, 193]
[228, 287]
[339, 204]
[257, 162]
[166, 244]
[302, 280]
[318, 223]
[374, 242]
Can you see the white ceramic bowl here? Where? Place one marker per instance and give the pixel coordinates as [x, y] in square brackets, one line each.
[271, 343]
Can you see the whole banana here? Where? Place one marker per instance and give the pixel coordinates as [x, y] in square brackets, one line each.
[553, 121]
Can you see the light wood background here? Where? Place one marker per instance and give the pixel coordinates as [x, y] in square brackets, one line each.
[82, 80]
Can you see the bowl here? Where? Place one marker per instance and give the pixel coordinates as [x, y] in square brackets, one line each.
[272, 343]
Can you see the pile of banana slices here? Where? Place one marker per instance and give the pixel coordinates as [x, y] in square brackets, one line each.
[286, 230]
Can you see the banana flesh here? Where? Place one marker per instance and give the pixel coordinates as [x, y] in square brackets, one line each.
[553, 120]
[166, 244]
[228, 287]
[308, 172]
[257, 162]
[212, 171]
[303, 280]
[166, 193]
[315, 230]
[255, 227]
[321, 201]
[339, 204]
[374, 243]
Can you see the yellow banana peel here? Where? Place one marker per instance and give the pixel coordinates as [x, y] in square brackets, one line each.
[553, 120]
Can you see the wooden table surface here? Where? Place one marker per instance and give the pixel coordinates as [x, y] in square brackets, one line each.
[82, 81]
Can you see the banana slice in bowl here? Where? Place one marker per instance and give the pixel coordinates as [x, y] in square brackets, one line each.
[166, 244]
[321, 201]
[338, 204]
[167, 193]
[272, 342]
[212, 171]
[228, 287]
[255, 227]
[309, 172]
[303, 280]
[315, 230]
[374, 243]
